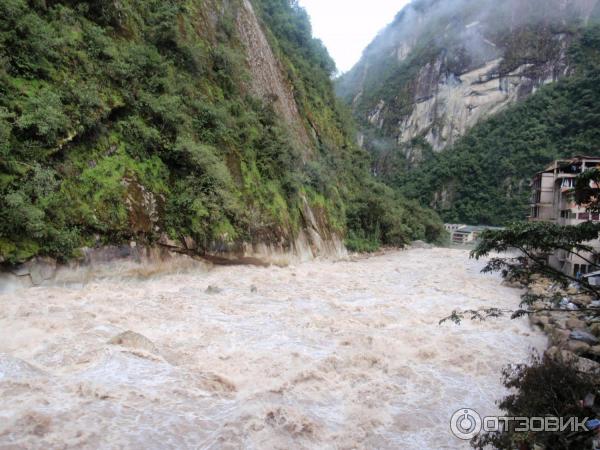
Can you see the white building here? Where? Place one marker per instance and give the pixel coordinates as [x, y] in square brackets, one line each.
[553, 200]
[465, 234]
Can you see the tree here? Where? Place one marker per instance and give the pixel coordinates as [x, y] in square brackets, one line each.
[546, 387]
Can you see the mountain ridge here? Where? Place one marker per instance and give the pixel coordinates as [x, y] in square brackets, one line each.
[427, 103]
[461, 62]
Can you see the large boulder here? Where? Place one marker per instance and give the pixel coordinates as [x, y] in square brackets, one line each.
[559, 336]
[582, 364]
[142, 206]
[587, 365]
[584, 336]
[595, 329]
[166, 241]
[38, 269]
[541, 320]
[574, 324]
[578, 347]
[133, 340]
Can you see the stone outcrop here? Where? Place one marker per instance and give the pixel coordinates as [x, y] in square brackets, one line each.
[133, 340]
[142, 205]
[446, 103]
[36, 271]
[444, 110]
[126, 261]
[314, 240]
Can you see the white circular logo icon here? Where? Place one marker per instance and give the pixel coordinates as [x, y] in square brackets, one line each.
[465, 424]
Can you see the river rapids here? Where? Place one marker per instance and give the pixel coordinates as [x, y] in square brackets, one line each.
[321, 355]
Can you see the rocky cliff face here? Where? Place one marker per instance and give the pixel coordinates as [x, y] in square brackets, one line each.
[269, 83]
[268, 80]
[446, 105]
[444, 65]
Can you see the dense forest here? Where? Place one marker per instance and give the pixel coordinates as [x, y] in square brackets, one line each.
[134, 120]
[484, 178]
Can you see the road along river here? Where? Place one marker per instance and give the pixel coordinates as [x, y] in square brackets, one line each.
[321, 355]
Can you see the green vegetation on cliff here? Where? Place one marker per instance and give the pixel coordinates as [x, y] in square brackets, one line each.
[125, 120]
[484, 178]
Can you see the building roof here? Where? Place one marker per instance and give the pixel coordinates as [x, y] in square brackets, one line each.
[470, 229]
[476, 228]
[566, 162]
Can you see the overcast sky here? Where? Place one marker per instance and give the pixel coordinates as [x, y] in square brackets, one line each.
[348, 26]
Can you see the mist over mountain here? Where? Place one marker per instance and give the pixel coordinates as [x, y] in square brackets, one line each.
[444, 67]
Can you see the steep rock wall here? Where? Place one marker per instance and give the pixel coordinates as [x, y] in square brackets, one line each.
[447, 105]
[268, 81]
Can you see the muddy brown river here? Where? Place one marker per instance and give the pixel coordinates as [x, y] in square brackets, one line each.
[321, 355]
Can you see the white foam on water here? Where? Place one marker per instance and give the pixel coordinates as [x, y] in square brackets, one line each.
[323, 355]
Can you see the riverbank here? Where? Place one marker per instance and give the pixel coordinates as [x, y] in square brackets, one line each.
[168, 256]
[321, 355]
[573, 333]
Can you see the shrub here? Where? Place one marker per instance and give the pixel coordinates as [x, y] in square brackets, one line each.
[545, 387]
[43, 117]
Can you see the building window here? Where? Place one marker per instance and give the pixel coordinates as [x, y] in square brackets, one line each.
[595, 216]
[581, 269]
[584, 216]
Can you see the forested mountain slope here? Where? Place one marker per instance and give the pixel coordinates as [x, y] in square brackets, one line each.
[484, 178]
[212, 123]
[445, 67]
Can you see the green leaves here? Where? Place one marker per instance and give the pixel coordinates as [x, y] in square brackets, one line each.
[29, 222]
[587, 190]
[544, 237]
[43, 117]
[378, 214]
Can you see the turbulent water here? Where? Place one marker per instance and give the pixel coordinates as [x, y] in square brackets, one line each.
[321, 355]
